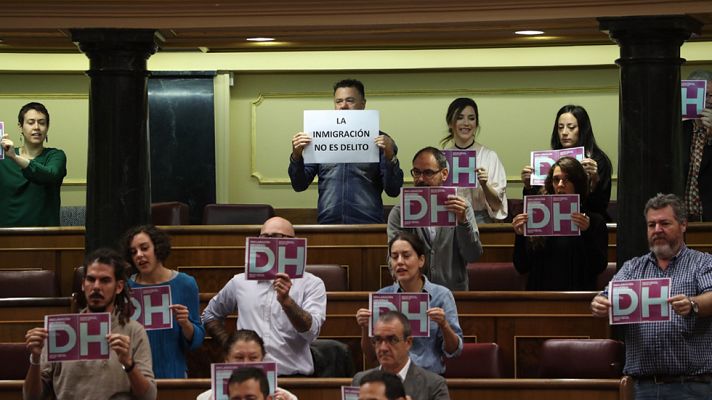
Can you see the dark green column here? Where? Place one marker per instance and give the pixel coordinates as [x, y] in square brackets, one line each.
[649, 142]
[118, 174]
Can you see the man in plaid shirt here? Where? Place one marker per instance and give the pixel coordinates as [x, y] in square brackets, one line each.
[671, 359]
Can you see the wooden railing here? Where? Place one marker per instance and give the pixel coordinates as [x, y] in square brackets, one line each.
[460, 389]
[362, 248]
[517, 321]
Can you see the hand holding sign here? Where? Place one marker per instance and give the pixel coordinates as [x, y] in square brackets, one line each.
[437, 315]
[681, 304]
[35, 340]
[459, 206]
[385, 143]
[282, 285]
[182, 315]
[299, 142]
[121, 345]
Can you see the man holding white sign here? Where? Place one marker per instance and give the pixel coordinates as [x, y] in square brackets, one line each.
[127, 374]
[697, 142]
[349, 193]
[669, 359]
[449, 249]
[286, 313]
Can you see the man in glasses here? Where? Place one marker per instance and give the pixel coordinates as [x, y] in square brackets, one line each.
[392, 341]
[449, 249]
[286, 313]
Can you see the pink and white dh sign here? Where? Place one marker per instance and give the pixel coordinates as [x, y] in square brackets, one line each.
[541, 162]
[639, 301]
[152, 307]
[462, 168]
[266, 257]
[551, 215]
[425, 206]
[694, 93]
[413, 305]
[78, 337]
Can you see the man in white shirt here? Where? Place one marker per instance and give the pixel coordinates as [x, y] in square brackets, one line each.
[287, 314]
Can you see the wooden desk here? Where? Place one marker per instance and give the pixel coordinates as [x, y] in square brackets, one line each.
[460, 389]
[517, 321]
[362, 248]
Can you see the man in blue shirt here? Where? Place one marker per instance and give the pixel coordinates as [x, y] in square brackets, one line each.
[669, 359]
[349, 193]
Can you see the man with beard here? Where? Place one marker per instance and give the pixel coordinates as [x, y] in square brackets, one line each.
[669, 359]
[127, 374]
[448, 249]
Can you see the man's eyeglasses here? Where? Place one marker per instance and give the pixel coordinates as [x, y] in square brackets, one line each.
[427, 173]
[392, 340]
[275, 235]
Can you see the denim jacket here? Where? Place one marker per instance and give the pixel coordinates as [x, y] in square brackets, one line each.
[349, 193]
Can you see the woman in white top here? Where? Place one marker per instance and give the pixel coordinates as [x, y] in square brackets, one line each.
[489, 198]
[245, 345]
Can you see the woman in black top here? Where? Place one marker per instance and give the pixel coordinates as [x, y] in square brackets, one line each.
[572, 128]
[563, 263]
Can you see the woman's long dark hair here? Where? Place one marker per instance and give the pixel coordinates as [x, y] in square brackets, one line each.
[585, 139]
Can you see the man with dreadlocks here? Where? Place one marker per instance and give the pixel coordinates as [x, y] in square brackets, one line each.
[127, 373]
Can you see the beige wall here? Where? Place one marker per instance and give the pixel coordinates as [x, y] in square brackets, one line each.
[256, 116]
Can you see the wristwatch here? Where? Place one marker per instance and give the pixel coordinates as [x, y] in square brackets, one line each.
[130, 367]
[695, 306]
[394, 160]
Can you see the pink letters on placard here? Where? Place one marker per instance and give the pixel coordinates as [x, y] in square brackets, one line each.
[551, 215]
[425, 206]
[542, 161]
[462, 167]
[694, 94]
[74, 337]
[152, 307]
[413, 305]
[266, 257]
[639, 301]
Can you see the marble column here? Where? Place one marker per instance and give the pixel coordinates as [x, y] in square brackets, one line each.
[649, 142]
[118, 173]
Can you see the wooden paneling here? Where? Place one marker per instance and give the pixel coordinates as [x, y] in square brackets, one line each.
[460, 389]
[360, 247]
[516, 321]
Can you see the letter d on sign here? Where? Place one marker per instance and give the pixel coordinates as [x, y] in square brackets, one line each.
[531, 223]
[52, 339]
[410, 202]
[256, 249]
[616, 301]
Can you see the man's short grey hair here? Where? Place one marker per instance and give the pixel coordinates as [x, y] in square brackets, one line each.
[701, 75]
[661, 200]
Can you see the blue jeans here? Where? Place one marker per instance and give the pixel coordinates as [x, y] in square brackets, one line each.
[673, 391]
